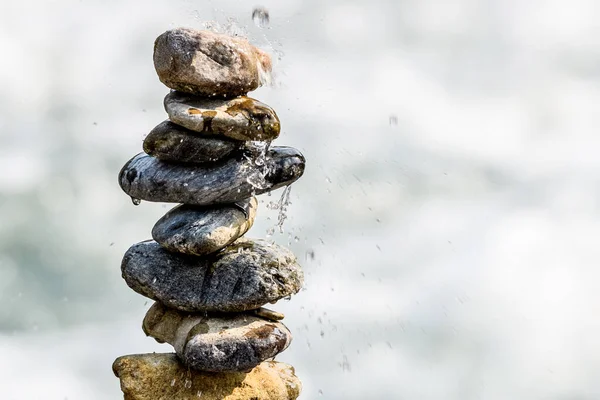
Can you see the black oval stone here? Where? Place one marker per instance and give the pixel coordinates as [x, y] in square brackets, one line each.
[229, 181]
[171, 142]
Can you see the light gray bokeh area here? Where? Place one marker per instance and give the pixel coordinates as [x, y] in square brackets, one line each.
[447, 220]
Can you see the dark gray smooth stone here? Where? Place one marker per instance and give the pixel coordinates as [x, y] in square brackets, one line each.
[232, 180]
[245, 275]
[198, 230]
[241, 118]
[217, 343]
[171, 142]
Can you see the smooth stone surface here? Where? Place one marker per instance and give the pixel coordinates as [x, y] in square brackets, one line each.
[242, 118]
[243, 276]
[208, 63]
[217, 343]
[161, 376]
[198, 230]
[171, 142]
[232, 180]
[268, 314]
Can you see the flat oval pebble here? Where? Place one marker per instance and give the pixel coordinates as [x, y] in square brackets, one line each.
[171, 142]
[243, 276]
[242, 118]
[232, 180]
[268, 314]
[208, 63]
[161, 376]
[217, 343]
[196, 230]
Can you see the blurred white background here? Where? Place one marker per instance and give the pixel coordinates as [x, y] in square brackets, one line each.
[446, 220]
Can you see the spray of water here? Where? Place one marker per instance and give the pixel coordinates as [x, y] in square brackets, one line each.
[257, 167]
[281, 206]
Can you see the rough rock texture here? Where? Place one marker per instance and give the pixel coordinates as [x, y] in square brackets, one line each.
[163, 377]
[208, 63]
[217, 343]
[232, 180]
[196, 230]
[171, 142]
[242, 118]
[245, 275]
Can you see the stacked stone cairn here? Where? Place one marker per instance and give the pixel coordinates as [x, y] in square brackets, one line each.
[210, 284]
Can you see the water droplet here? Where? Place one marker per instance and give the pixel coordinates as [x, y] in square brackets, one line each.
[320, 392]
[345, 364]
[136, 202]
[393, 120]
[199, 394]
[260, 16]
[173, 382]
[187, 384]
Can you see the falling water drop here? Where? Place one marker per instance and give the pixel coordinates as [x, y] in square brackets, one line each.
[260, 16]
[136, 202]
[393, 120]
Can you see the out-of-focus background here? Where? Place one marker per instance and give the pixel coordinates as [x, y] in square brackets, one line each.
[447, 221]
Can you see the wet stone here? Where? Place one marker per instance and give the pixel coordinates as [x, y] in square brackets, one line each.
[217, 343]
[161, 376]
[268, 314]
[243, 276]
[171, 142]
[232, 180]
[242, 118]
[209, 64]
[197, 230]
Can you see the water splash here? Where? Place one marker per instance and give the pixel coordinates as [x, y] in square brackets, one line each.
[231, 27]
[257, 167]
[260, 16]
[265, 76]
[281, 205]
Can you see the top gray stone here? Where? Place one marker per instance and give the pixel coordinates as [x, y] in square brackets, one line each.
[209, 64]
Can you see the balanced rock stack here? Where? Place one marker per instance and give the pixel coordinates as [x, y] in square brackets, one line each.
[213, 156]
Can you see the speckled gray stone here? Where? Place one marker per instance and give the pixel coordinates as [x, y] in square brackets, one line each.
[208, 63]
[217, 343]
[243, 276]
[229, 181]
[171, 142]
[196, 230]
[242, 118]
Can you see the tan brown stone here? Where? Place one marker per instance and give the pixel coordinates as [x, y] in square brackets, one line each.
[162, 377]
[209, 64]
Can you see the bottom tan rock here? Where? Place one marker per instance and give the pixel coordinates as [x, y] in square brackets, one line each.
[162, 377]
